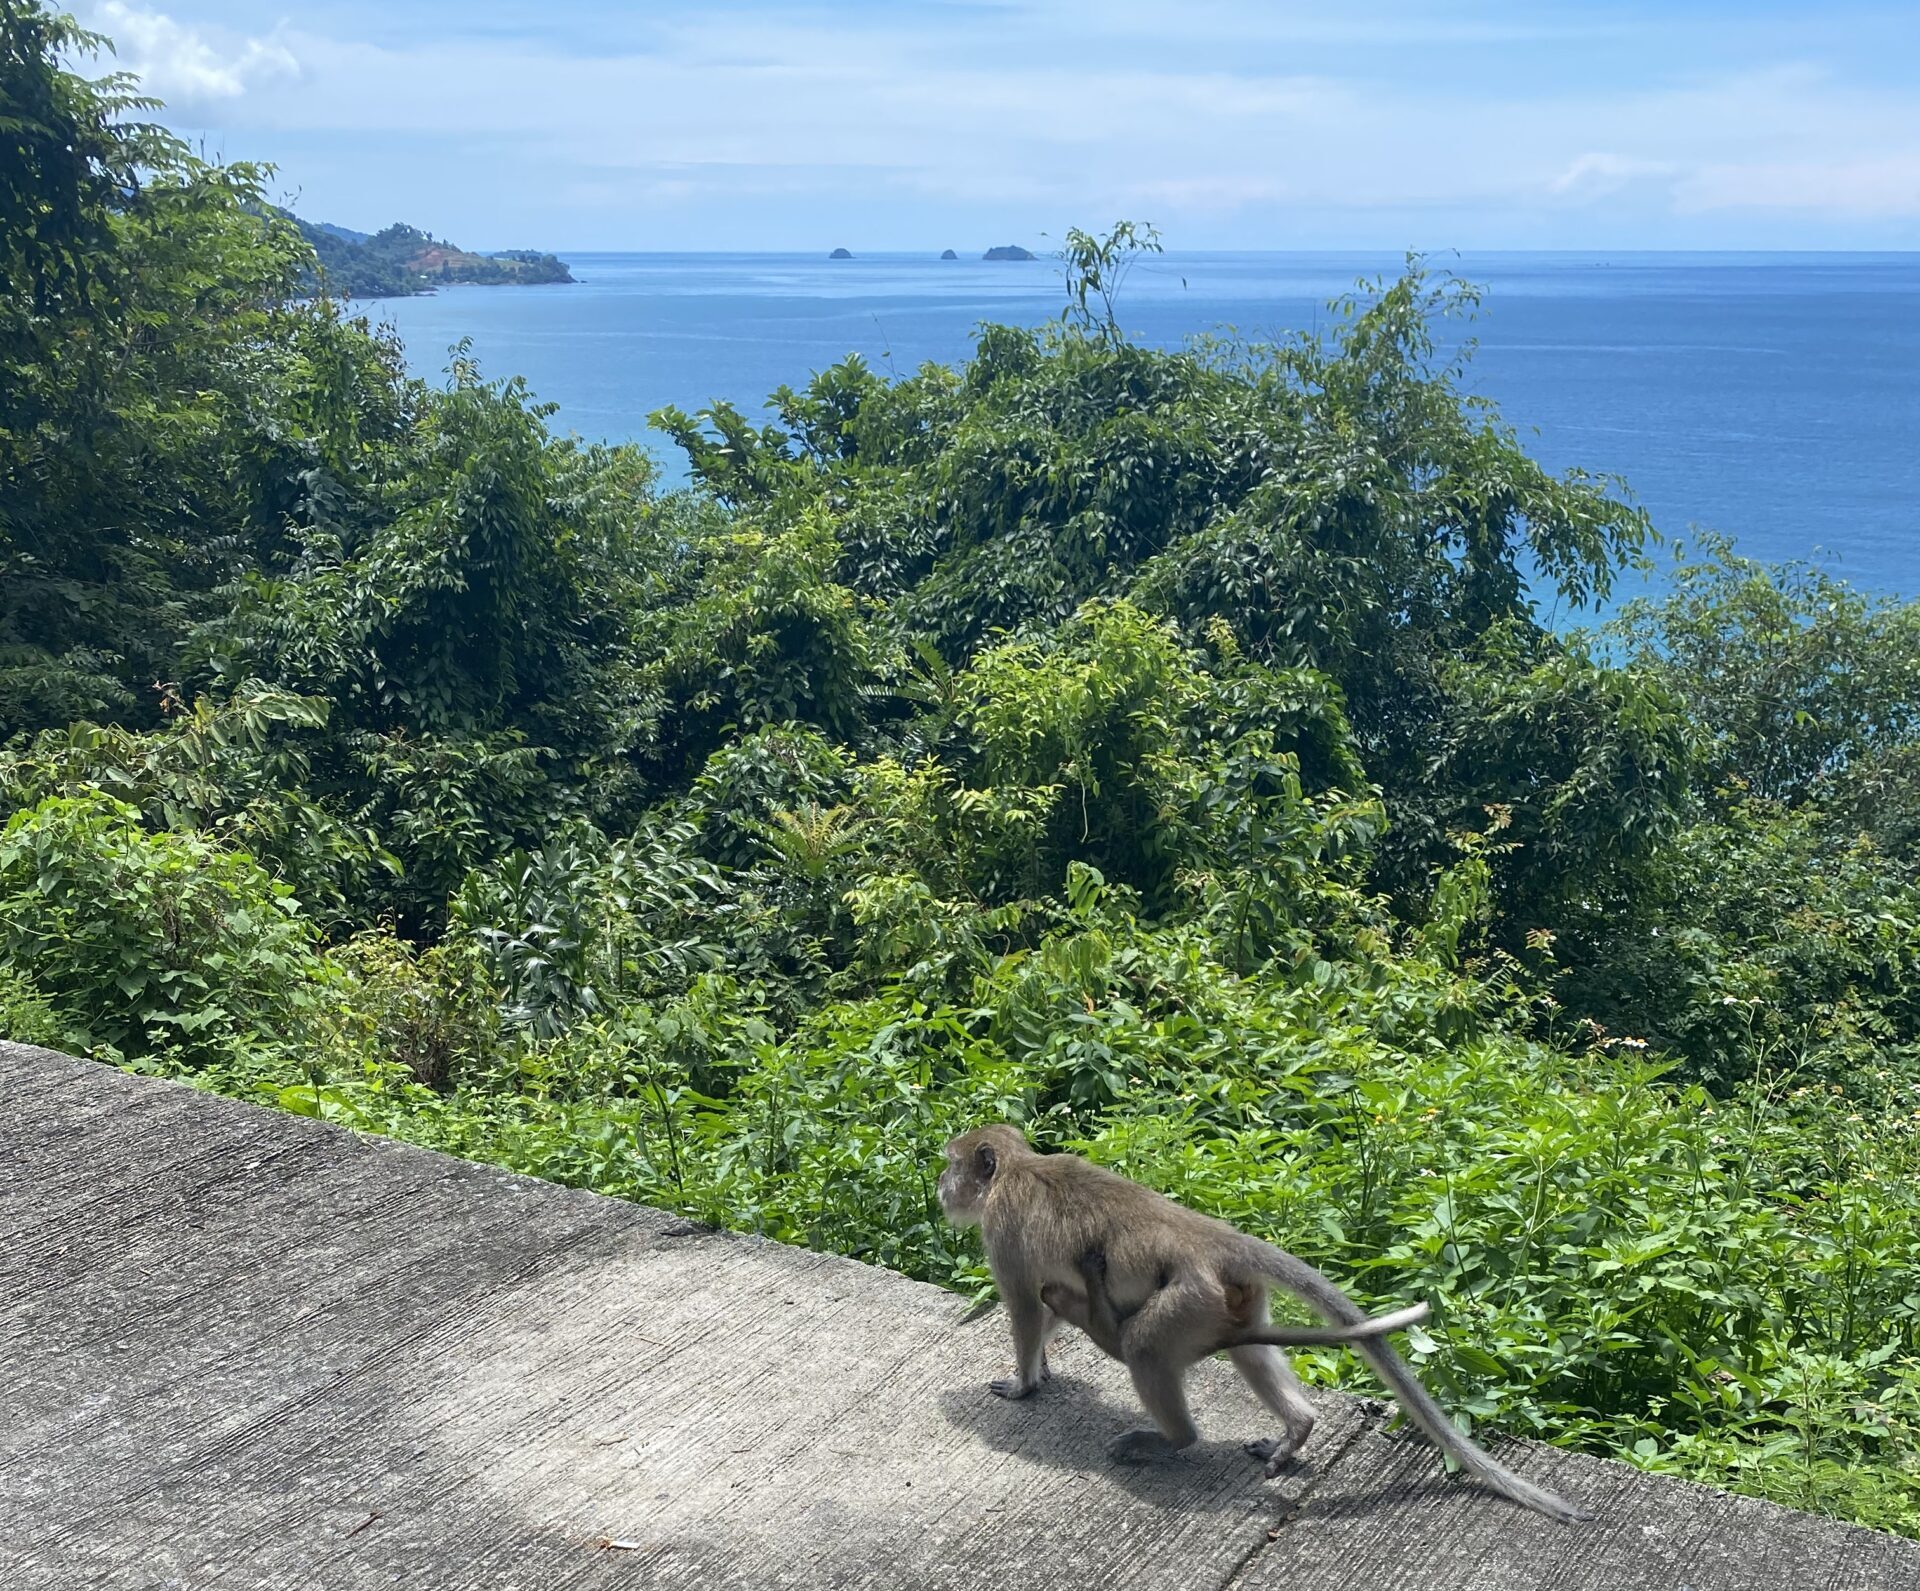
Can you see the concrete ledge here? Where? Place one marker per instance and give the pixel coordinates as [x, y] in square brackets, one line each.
[243, 1349]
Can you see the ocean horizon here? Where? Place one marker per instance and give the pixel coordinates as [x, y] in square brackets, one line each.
[1772, 397]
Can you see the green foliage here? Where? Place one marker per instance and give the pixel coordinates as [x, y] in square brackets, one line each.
[71, 159]
[234, 770]
[1158, 748]
[581, 926]
[149, 944]
[773, 639]
[1759, 945]
[1587, 767]
[1800, 683]
[1775, 929]
[27, 1016]
[1096, 270]
[437, 608]
[434, 1012]
[139, 285]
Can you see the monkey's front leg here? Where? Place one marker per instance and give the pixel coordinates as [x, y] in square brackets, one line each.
[1031, 1321]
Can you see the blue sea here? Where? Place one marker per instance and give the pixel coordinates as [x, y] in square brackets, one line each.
[1773, 397]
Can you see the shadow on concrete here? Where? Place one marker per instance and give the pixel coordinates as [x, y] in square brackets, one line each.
[1066, 1425]
[1394, 1496]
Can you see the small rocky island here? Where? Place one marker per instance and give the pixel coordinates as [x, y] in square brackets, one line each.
[402, 260]
[948, 254]
[841, 254]
[1009, 251]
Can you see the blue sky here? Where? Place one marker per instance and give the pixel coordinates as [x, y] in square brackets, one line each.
[922, 124]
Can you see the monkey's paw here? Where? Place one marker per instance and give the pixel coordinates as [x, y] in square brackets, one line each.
[1275, 1451]
[1140, 1447]
[1014, 1387]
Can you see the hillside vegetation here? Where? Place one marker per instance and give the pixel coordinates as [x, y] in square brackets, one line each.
[1158, 749]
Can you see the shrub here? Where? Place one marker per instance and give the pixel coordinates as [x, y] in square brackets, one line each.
[150, 943]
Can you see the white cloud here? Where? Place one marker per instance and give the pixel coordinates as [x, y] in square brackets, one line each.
[184, 65]
[1594, 176]
[1883, 187]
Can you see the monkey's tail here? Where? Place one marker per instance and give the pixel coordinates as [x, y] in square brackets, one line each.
[1322, 1336]
[1318, 1291]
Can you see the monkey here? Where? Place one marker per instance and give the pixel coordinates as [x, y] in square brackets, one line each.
[1175, 1286]
[1093, 1312]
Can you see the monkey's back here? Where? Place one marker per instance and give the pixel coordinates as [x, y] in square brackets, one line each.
[1056, 1208]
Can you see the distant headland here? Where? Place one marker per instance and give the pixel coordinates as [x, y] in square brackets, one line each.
[402, 260]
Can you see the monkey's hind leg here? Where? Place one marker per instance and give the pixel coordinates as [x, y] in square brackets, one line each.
[1267, 1372]
[1160, 1341]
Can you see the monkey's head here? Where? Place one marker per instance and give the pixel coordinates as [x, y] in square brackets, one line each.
[973, 1160]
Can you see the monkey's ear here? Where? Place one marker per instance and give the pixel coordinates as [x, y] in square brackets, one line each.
[985, 1162]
